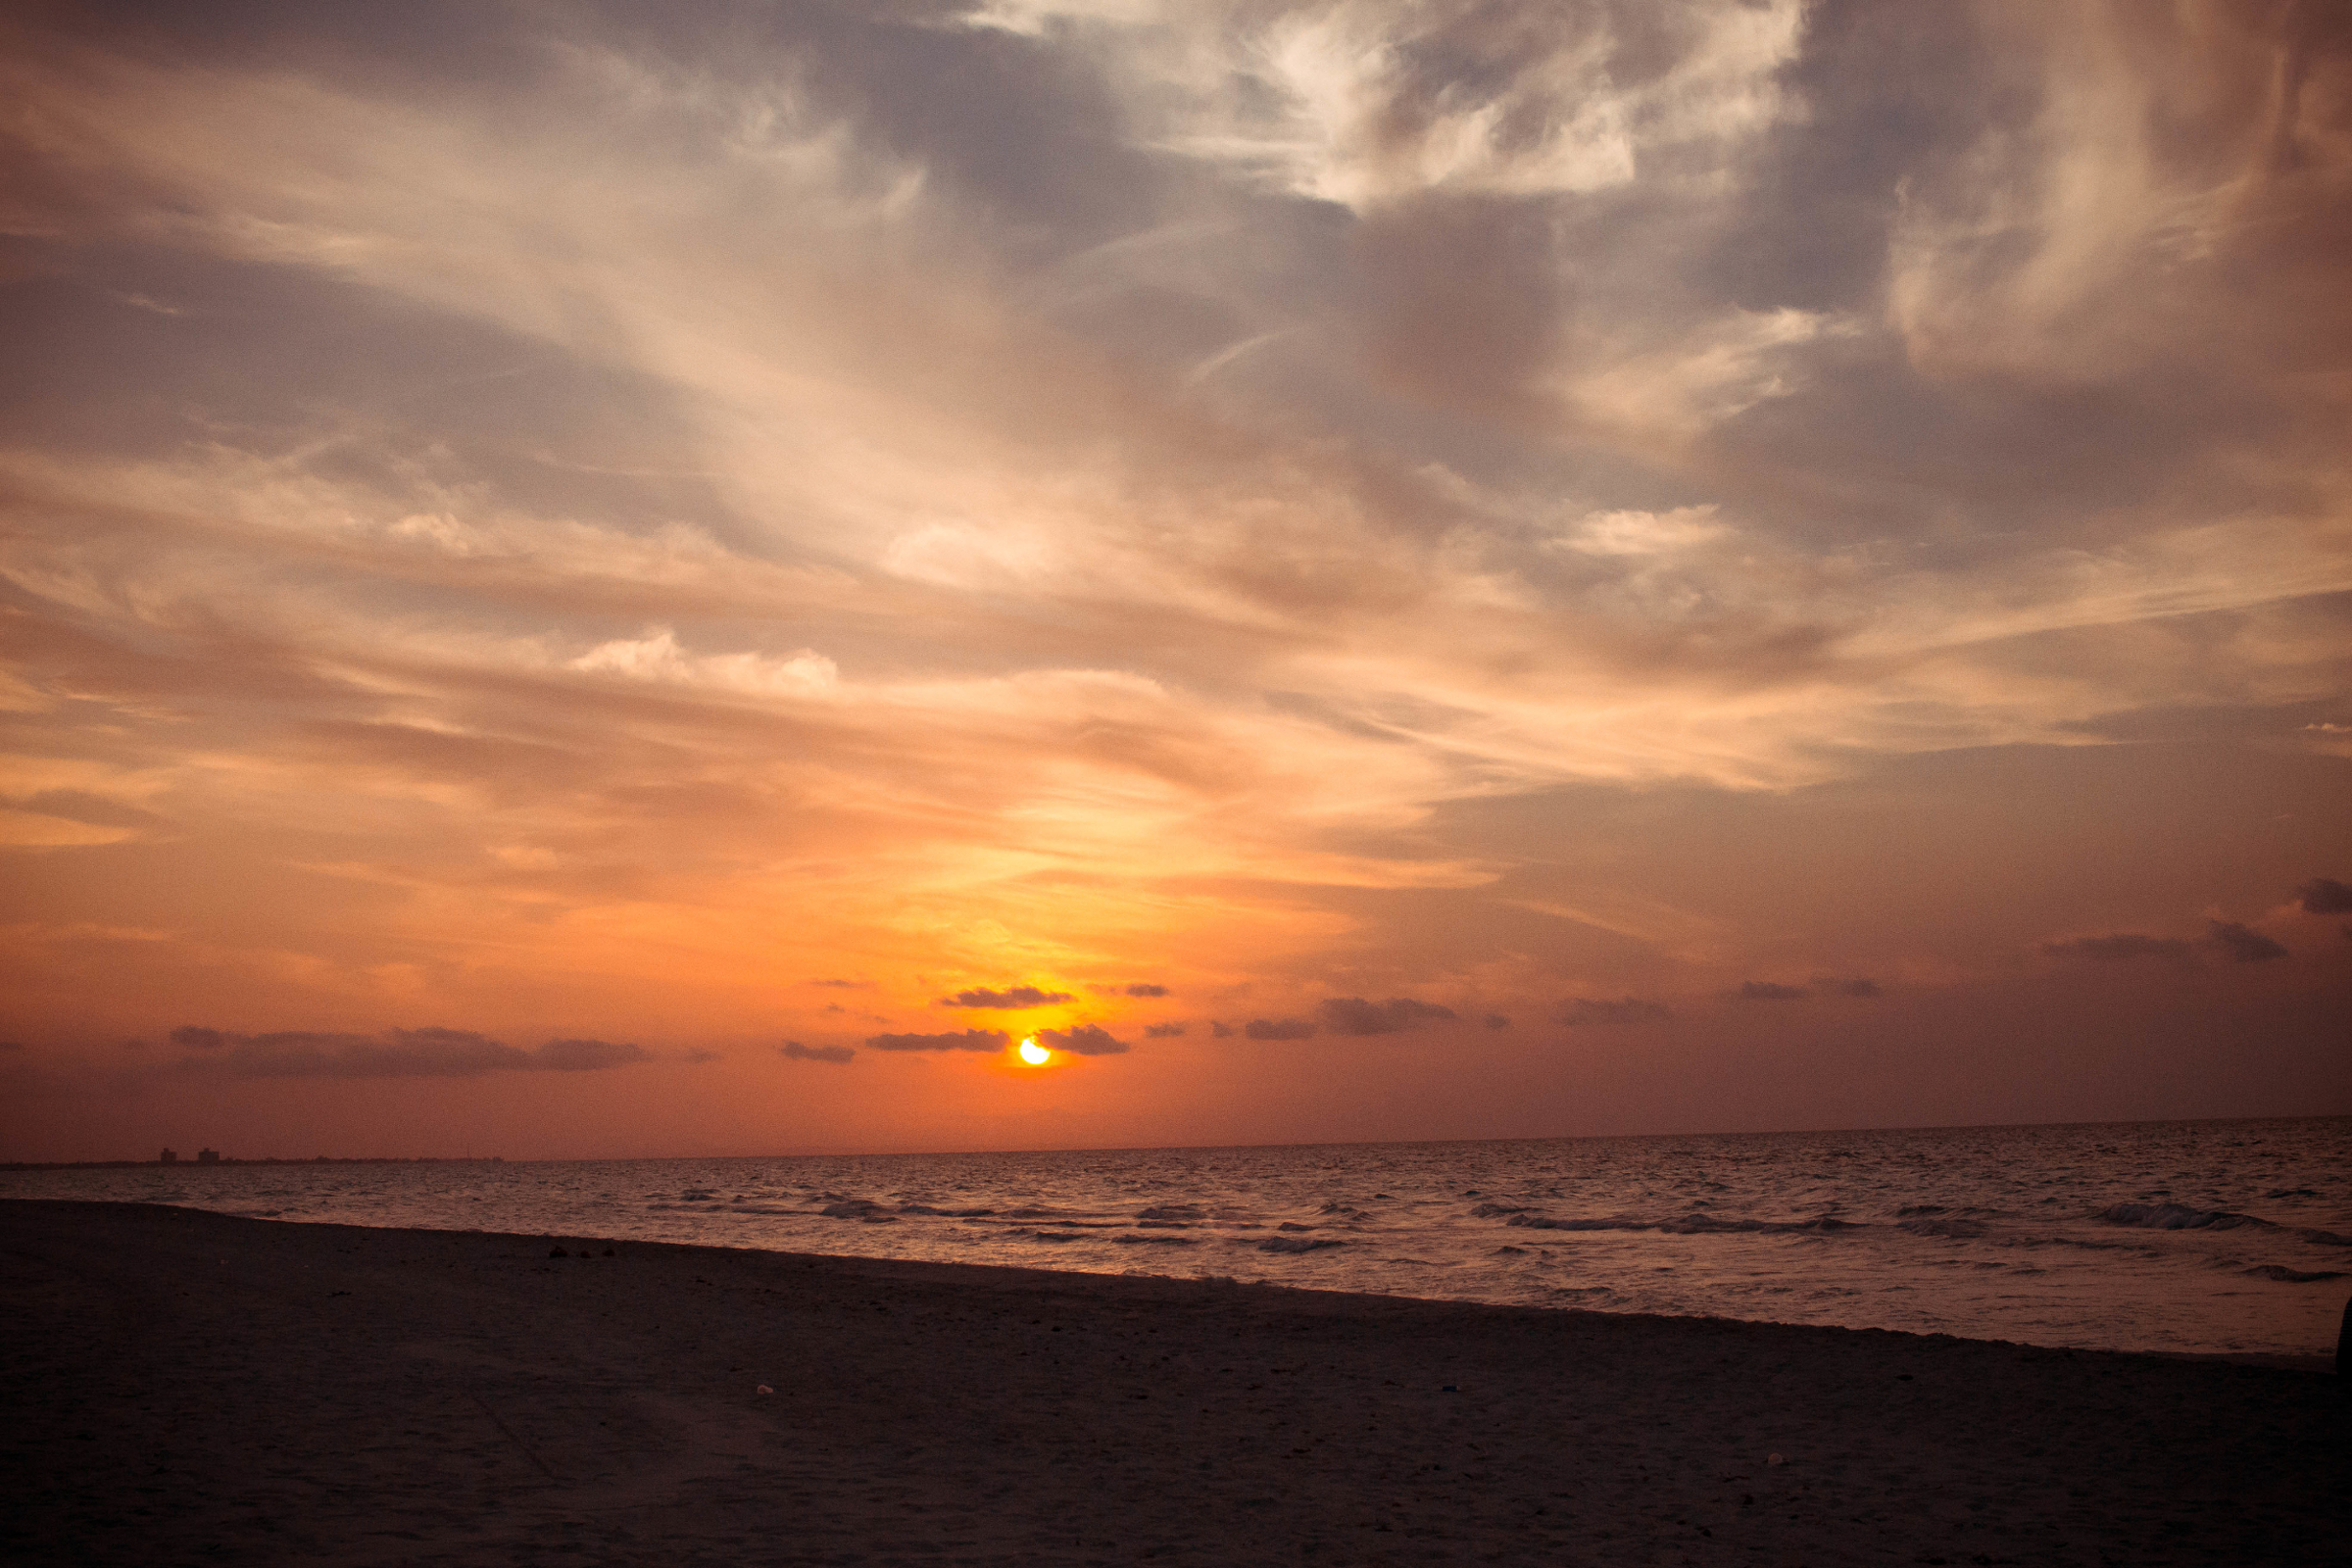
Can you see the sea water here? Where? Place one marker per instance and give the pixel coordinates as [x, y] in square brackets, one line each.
[2199, 1237]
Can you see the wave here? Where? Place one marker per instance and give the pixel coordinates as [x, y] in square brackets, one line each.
[2175, 1217]
[2292, 1276]
[1957, 1229]
[1689, 1225]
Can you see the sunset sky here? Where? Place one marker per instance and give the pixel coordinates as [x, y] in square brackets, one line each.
[643, 579]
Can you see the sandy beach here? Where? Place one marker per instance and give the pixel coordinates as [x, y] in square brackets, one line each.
[188, 1387]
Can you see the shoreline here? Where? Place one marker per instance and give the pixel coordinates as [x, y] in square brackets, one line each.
[224, 1161]
[949, 1271]
[292, 1390]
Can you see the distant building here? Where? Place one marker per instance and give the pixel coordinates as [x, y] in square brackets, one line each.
[171, 1157]
[208, 1156]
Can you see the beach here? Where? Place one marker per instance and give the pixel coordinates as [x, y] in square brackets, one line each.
[187, 1385]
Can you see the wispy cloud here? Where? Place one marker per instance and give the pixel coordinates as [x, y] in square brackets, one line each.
[1305, 501]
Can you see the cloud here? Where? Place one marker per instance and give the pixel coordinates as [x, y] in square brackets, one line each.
[1162, 1031]
[2122, 947]
[794, 1051]
[658, 657]
[1016, 999]
[1147, 990]
[842, 985]
[1582, 1012]
[2325, 895]
[1858, 985]
[1370, 105]
[584, 1056]
[1354, 1015]
[1278, 1029]
[1768, 990]
[1191, 487]
[431, 1052]
[2246, 945]
[1496, 1021]
[1220, 1031]
[967, 1039]
[1082, 1039]
[700, 1056]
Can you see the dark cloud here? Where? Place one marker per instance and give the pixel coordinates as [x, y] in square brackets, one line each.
[1147, 990]
[1082, 1039]
[1856, 987]
[1354, 1015]
[1581, 1011]
[586, 1055]
[431, 1052]
[1162, 1031]
[2325, 895]
[844, 985]
[2243, 945]
[2122, 947]
[1219, 1031]
[12, 1045]
[1014, 999]
[1768, 990]
[1496, 1021]
[699, 1056]
[967, 1039]
[1278, 1029]
[794, 1051]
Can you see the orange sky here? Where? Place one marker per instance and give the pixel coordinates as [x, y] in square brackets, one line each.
[1581, 567]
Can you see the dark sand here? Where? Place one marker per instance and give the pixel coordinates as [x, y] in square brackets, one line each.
[184, 1386]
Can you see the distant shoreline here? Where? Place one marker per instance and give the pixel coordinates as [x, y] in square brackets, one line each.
[853, 1153]
[208, 1164]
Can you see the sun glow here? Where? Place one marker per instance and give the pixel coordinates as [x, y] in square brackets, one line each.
[1035, 1054]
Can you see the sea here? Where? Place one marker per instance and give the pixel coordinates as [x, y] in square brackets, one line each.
[2201, 1237]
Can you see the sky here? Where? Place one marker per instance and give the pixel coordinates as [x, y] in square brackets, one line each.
[624, 580]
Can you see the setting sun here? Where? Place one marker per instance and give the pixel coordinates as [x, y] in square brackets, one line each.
[1035, 1054]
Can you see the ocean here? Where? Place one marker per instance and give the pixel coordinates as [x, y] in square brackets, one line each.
[2197, 1237]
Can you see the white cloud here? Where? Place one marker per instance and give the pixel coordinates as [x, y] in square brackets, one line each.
[656, 657]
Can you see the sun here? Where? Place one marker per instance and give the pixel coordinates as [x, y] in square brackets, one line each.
[1035, 1054]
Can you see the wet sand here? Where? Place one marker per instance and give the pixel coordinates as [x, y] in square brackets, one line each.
[188, 1387]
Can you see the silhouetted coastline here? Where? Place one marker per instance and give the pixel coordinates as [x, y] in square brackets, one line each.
[207, 1164]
